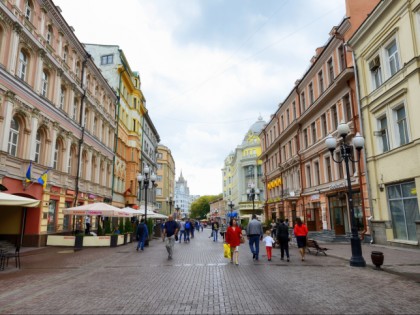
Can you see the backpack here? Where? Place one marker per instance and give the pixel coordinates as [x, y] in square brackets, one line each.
[187, 225]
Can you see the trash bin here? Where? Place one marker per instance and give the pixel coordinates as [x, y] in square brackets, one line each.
[377, 259]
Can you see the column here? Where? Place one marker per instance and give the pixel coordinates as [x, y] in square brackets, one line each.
[7, 119]
[34, 129]
[98, 168]
[89, 165]
[53, 141]
[67, 153]
[39, 69]
[14, 45]
[57, 90]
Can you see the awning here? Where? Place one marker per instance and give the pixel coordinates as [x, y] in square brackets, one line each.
[98, 208]
[17, 201]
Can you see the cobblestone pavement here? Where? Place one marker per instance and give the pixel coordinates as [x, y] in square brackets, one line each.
[199, 280]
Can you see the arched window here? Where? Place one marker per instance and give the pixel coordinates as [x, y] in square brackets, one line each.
[23, 65]
[28, 10]
[77, 68]
[93, 168]
[75, 109]
[58, 154]
[56, 149]
[66, 54]
[70, 162]
[37, 146]
[13, 137]
[44, 83]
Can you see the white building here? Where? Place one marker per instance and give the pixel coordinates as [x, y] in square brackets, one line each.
[182, 196]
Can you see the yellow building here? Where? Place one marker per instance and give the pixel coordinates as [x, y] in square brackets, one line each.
[165, 190]
[386, 49]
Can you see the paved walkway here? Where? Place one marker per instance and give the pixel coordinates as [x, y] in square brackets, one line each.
[199, 280]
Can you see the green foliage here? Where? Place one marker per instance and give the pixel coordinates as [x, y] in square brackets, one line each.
[244, 223]
[107, 225]
[128, 226]
[100, 230]
[150, 227]
[201, 206]
[121, 225]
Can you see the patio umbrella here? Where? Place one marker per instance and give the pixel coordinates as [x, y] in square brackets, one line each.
[98, 208]
[13, 200]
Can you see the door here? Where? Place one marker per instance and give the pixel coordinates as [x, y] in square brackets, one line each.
[339, 226]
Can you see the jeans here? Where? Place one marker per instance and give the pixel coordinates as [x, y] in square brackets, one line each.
[187, 235]
[182, 233]
[255, 240]
[215, 235]
[170, 241]
[140, 244]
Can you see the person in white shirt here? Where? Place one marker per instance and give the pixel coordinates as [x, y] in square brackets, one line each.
[87, 223]
[269, 241]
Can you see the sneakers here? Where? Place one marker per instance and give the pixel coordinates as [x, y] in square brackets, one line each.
[137, 249]
[253, 256]
[288, 259]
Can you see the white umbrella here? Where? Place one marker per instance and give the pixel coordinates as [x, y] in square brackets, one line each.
[133, 212]
[98, 208]
[13, 200]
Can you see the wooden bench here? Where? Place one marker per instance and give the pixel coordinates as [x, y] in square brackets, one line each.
[312, 244]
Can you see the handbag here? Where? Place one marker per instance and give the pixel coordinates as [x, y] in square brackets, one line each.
[226, 250]
[242, 240]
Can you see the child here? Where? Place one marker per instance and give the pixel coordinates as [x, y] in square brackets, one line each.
[269, 241]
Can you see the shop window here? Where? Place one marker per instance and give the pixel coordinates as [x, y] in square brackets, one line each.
[51, 217]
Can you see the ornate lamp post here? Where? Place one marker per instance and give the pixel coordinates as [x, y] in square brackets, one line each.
[170, 202]
[343, 130]
[231, 205]
[177, 208]
[252, 192]
[144, 181]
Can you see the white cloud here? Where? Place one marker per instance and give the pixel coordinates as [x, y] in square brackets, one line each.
[203, 94]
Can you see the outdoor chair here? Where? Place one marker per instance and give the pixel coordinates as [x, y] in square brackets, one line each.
[15, 255]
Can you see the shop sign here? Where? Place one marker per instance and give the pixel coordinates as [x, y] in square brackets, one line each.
[337, 186]
[315, 197]
[55, 190]
[70, 192]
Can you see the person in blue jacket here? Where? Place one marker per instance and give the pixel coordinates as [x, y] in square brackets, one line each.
[142, 234]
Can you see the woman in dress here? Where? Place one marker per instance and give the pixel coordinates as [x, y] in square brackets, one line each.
[233, 238]
[301, 232]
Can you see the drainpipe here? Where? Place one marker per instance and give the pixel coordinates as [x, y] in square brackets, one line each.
[364, 155]
[82, 109]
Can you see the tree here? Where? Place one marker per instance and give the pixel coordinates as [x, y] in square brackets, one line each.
[201, 206]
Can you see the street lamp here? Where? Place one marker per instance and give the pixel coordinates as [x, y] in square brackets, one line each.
[252, 192]
[144, 181]
[343, 131]
[169, 202]
[177, 208]
[231, 205]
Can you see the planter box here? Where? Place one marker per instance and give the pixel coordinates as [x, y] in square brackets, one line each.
[120, 240]
[61, 240]
[96, 241]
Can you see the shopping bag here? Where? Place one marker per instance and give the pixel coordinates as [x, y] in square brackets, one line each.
[226, 249]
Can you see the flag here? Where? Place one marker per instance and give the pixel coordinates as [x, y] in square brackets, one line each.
[43, 179]
[28, 173]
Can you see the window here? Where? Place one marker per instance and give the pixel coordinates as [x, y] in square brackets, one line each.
[62, 97]
[158, 191]
[339, 165]
[313, 132]
[13, 137]
[55, 164]
[376, 72]
[95, 123]
[330, 70]
[401, 121]
[324, 125]
[23, 65]
[393, 59]
[328, 169]
[282, 124]
[308, 176]
[383, 133]
[317, 179]
[49, 34]
[294, 110]
[107, 59]
[287, 117]
[44, 83]
[28, 10]
[51, 216]
[65, 54]
[404, 208]
[342, 56]
[347, 107]
[311, 93]
[302, 100]
[69, 162]
[321, 82]
[37, 146]
[305, 138]
[75, 109]
[334, 117]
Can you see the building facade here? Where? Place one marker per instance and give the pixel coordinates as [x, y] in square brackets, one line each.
[301, 176]
[182, 197]
[129, 115]
[56, 120]
[386, 49]
[242, 171]
[165, 190]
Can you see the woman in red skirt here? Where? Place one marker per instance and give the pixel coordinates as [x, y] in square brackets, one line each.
[233, 238]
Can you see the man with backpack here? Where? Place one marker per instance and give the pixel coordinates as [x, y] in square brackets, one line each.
[188, 227]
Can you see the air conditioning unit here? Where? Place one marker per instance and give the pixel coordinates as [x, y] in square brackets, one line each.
[374, 64]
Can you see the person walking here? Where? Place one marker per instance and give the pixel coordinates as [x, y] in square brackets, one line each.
[87, 223]
[182, 231]
[223, 228]
[301, 233]
[215, 228]
[254, 233]
[269, 241]
[170, 230]
[283, 238]
[233, 238]
[188, 230]
[142, 233]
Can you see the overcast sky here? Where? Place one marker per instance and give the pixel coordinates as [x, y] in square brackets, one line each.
[208, 68]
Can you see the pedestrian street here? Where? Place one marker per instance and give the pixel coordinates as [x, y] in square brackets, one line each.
[198, 280]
